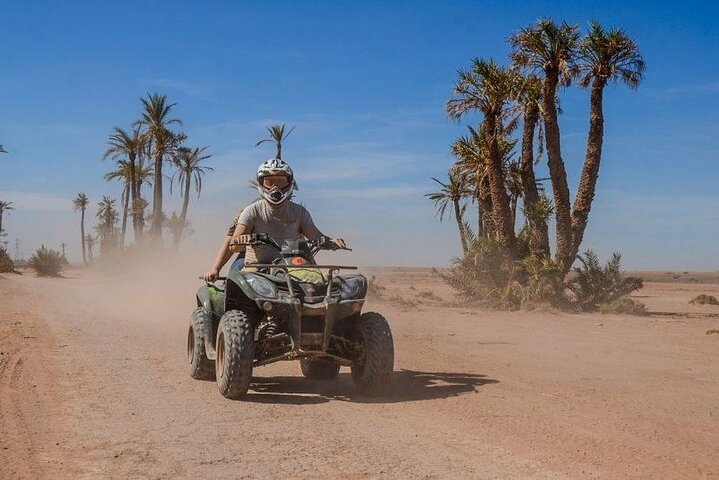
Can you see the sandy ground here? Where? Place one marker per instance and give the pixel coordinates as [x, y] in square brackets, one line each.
[93, 384]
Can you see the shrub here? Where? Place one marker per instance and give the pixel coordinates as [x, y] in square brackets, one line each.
[704, 300]
[713, 331]
[594, 285]
[624, 305]
[484, 276]
[481, 276]
[47, 263]
[374, 289]
[6, 263]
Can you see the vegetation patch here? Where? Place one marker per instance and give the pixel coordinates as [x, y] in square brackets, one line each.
[6, 263]
[47, 263]
[713, 331]
[705, 300]
[429, 295]
[595, 285]
[375, 289]
[625, 306]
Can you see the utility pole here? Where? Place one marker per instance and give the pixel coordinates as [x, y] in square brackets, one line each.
[17, 250]
[63, 249]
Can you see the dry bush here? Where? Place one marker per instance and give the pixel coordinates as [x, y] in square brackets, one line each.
[483, 276]
[6, 263]
[375, 290]
[594, 285]
[713, 331]
[704, 300]
[429, 295]
[47, 263]
[624, 305]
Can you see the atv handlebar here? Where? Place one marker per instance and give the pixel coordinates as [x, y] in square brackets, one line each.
[322, 243]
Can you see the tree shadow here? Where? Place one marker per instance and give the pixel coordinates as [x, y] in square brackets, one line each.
[406, 386]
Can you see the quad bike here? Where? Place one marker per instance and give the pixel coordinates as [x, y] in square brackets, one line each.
[288, 310]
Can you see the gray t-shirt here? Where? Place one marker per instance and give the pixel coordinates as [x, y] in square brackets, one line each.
[287, 222]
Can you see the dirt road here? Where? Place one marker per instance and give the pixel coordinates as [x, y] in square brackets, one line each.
[93, 384]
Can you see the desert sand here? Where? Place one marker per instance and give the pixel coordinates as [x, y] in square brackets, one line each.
[94, 384]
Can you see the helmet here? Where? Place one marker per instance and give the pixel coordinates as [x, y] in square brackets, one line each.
[275, 195]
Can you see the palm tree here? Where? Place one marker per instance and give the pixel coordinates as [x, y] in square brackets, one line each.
[90, 241]
[452, 192]
[107, 216]
[123, 172]
[549, 50]
[160, 142]
[471, 163]
[129, 146]
[530, 98]
[80, 204]
[277, 135]
[4, 207]
[187, 160]
[489, 88]
[604, 56]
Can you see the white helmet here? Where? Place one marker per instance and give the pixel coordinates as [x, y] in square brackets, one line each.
[275, 195]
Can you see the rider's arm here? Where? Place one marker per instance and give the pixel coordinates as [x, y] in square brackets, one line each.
[223, 255]
[240, 229]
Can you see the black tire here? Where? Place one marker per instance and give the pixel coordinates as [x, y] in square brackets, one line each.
[201, 367]
[320, 369]
[235, 354]
[372, 372]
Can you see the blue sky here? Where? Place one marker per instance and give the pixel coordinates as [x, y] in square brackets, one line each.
[365, 84]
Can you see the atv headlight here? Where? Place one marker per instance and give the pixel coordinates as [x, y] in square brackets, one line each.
[261, 286]
[352, 288]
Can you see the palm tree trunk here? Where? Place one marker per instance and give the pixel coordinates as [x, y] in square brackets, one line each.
[460, 225]
[538, 231]
[126, 206]
[156, 226]
[498, 191]
[557, 172]
[140, 211]
[183, 213]
[590, 171]
[1, 212]
[279, 150]
[485, 210]
[82, 235]
[134, 195]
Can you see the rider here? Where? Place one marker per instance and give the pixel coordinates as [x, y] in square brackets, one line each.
[274, 214]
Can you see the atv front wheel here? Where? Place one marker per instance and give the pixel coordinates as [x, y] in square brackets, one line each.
[320, 369]
[372, 370]
[235, 354]
[201, 367]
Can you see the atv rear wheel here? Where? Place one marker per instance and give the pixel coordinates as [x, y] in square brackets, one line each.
[201, 367]
[372, 370]
[235, 354]
[320, 369]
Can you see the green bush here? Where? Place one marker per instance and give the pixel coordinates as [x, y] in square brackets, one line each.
[704, 300]
[624, 305]
[47, 263]
[6, 263]
[594, 285]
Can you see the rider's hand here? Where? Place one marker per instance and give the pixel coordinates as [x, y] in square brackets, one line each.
[238, 243]
[212, 275]
[338, 243]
